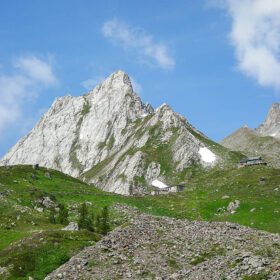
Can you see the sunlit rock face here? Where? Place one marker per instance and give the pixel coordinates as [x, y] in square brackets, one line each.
[271, 126]
[111, 139]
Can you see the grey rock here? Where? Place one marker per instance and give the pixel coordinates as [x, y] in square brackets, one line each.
[233, 205]
[46, 202]
[73, 226]
[150, 246]
[48, 175]
[39, 209]
[271, 126]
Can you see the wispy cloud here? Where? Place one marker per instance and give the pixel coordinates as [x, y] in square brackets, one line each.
[31, 76]
[255, 35]
[36, 69]
[137, 39]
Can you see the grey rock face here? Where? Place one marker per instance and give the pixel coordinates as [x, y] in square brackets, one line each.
[73, 226]
[112, 139]
[233, 205]
[271, 126]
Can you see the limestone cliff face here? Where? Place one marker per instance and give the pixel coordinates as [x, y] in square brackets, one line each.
[271, 126]
[110, 138]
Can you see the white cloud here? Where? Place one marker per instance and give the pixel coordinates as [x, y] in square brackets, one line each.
[93, 82]
[36, 69]
[11, 91]
[133, 38]
[15, 89]
[255, 35]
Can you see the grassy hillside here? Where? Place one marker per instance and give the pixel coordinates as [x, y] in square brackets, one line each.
[32, 246]
[204, 192]
[29, 244]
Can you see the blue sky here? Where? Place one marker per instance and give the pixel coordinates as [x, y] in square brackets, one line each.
[215, 62]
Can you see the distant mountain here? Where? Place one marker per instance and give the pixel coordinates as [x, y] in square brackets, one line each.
[108, 137]
[263, 141]
[271, 126]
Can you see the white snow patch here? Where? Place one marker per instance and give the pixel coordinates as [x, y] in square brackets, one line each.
[144, 115]
[159, 184]
[273, 134]
[207, 155]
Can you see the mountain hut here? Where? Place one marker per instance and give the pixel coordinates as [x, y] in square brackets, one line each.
[251, 161]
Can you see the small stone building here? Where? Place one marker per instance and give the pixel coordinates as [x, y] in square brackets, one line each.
[167, 190]
[251, 161]
[176, 188]
[159, 191]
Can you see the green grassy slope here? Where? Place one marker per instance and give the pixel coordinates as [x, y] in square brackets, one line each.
[203, 194]
[29, 244]
[32, 237]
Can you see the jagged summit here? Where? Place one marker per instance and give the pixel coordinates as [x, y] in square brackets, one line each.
[271, 126]
[110, 138]
[118, 83]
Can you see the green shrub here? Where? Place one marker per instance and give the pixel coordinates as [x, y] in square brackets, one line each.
[102, 221]
[52, 219]
[86, 109]
[111, 142]
[85, 221]
[63, 215]
[23, 264]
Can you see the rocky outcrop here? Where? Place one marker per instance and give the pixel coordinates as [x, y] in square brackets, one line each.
[271, 126]
[110, 138]
[73, 226]
[149, 247]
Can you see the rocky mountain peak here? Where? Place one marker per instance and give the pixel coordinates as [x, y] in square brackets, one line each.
[271, 126]
[117, 83]
[110, 138]
[273, 115]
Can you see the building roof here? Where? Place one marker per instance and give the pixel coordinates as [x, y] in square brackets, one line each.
[244, 160]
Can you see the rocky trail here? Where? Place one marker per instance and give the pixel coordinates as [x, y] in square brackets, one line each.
[151, 247]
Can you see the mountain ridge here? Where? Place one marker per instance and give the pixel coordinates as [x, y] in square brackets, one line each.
[263, 141]
[110, 138]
